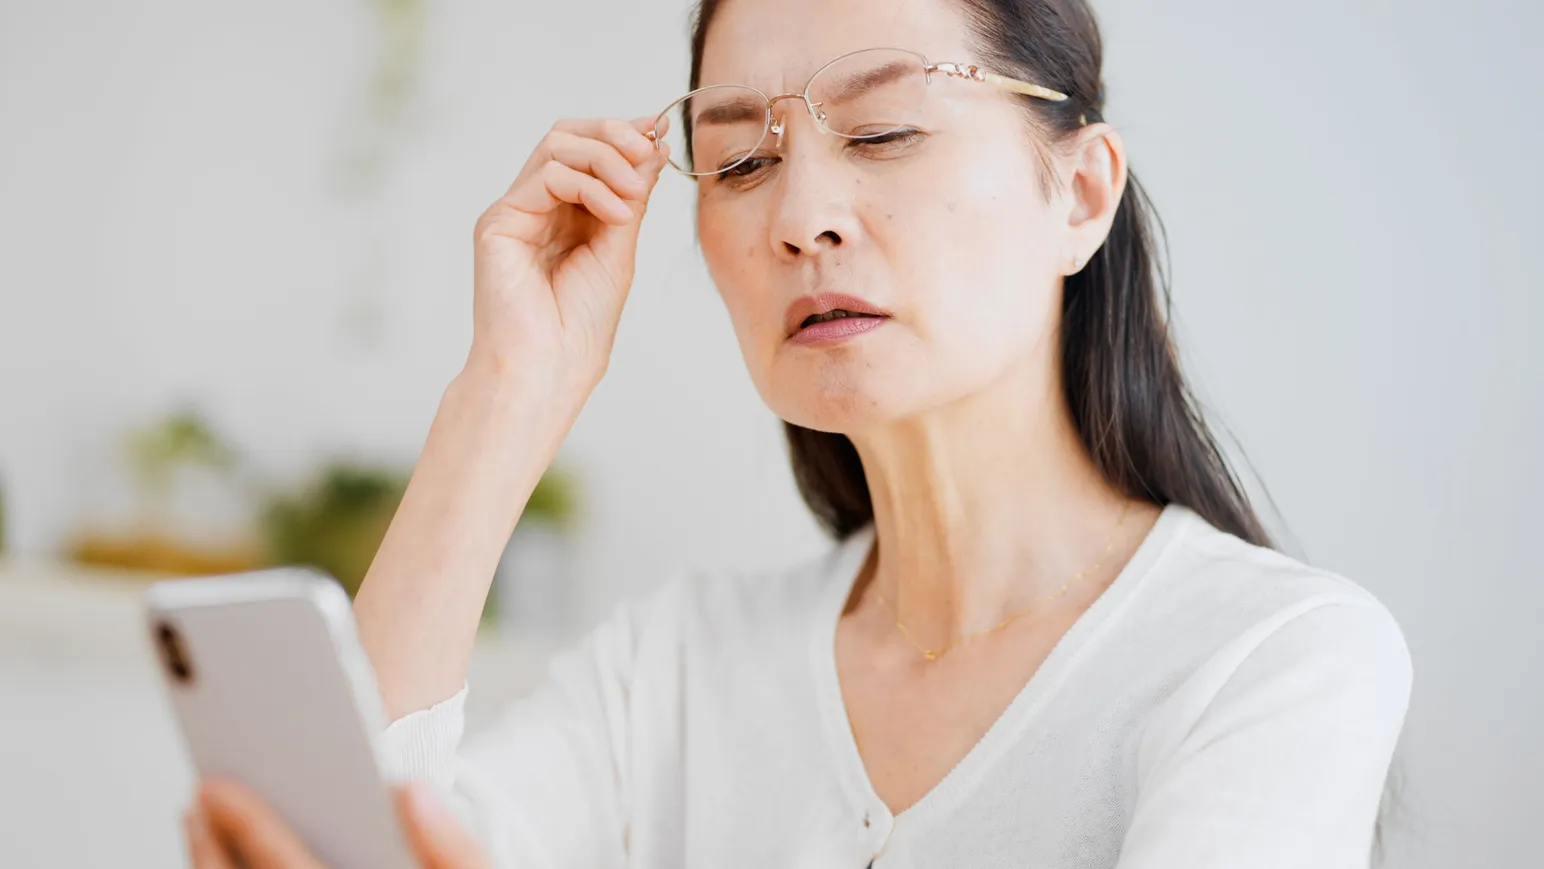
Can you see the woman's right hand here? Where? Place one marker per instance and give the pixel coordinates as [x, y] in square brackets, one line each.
[553, 262]
[554, 256]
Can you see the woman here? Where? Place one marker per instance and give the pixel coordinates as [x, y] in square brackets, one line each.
[1051, 632]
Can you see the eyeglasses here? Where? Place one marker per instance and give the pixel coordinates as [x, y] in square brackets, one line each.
[865, 94]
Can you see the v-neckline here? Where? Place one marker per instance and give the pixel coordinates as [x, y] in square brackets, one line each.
[1040, 689]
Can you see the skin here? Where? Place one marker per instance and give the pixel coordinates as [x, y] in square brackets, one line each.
[230, 828]
[985, 500]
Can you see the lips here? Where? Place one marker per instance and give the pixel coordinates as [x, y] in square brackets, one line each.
[823, 306]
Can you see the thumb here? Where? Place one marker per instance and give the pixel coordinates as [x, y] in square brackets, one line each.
[436, 835]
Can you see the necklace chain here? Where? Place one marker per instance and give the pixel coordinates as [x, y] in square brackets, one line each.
[935, 654]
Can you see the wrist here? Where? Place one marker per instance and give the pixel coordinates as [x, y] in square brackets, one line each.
[513, 408]
[513, 376]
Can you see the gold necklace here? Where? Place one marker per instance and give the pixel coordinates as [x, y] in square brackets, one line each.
[935, 654]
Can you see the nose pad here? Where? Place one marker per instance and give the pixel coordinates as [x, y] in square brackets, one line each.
[777, 130]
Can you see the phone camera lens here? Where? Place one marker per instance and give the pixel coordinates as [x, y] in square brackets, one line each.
[173, 655]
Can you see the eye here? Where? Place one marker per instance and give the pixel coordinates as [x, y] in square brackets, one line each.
[891, 141]
[746, 171]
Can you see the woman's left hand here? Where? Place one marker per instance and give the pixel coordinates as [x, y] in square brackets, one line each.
[231, 828]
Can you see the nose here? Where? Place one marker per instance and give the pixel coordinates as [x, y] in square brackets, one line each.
[815, 203]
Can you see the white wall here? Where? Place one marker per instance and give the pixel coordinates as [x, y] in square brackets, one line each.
[1351, 190]
[172, 230]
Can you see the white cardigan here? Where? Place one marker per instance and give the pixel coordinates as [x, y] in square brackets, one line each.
[1219, 705]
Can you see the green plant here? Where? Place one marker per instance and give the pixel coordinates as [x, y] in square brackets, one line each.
[336, 522]
[401, 31]
[554, 499]
[157, 452]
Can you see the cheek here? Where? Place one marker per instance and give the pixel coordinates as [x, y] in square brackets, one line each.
[735, 252]
[973, 245]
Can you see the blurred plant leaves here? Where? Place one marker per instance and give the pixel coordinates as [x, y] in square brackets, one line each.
[335, 523]
[180, 439]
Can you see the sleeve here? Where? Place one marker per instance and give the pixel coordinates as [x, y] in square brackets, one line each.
[1284, 765]
[544, 786]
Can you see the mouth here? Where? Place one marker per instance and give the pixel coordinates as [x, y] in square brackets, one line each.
[831, 316]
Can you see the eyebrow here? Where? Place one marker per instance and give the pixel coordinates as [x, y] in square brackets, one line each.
[857, 85]
[736, 111]
[741, 110]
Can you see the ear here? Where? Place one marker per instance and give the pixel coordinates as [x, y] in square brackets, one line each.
[1097, 164]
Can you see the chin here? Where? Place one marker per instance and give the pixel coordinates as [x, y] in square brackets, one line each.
[841, 398]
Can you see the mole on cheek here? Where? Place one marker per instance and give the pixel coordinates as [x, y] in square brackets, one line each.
[952, 206]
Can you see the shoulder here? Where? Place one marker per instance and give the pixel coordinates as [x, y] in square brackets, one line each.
[1247, 615]
[1213, 569]
[1229, 589]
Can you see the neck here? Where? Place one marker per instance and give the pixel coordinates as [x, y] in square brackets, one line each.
[985, 506]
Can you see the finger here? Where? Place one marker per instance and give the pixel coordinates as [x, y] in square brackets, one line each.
[659, 125]
[204, 850]
[601, 160]
[244, 822]
[557, 184]
[626, 136]
[438, 838]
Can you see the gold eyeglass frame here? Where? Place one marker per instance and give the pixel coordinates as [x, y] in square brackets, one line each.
[967, 71]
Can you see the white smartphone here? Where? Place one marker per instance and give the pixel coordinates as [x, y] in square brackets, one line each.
[272, 690]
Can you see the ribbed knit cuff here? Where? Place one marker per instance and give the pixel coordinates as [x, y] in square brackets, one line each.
[421, 746]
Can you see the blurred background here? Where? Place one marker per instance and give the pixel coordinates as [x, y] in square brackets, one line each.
[235, 277]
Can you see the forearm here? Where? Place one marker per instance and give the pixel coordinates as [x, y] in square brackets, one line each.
[421, 601]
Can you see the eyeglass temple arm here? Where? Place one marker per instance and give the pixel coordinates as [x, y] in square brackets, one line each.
[976, 73]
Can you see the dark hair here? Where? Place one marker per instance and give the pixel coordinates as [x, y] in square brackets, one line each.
[1121, 377]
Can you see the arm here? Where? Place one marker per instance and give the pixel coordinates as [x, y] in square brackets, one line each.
[552, 268]
[1285, 765]
[553, 262]
[419, 606]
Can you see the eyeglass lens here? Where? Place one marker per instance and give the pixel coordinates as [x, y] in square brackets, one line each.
[863, 94]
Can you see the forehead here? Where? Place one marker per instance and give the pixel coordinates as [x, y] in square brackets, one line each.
[776, 45]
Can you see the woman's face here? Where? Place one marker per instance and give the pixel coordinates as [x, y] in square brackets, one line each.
[948, 231]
